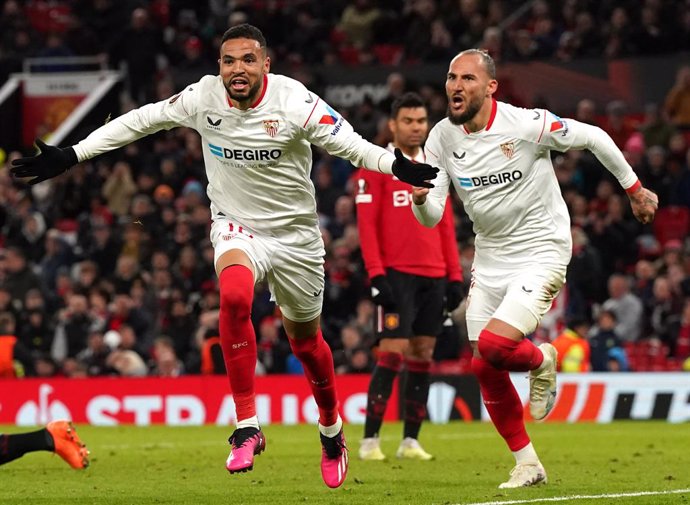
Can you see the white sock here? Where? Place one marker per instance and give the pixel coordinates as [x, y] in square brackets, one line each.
[333, 430]
[251, 422]
[526, 455]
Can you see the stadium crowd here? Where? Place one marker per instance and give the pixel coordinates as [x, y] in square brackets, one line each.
[108, 270]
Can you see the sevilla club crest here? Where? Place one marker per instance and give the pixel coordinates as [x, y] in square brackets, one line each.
[508, 148]
[271, 126]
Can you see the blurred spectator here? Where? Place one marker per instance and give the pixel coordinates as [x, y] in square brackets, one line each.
[58, 255]
[586, 111]
[123, 312]
[682, 343]
[15, 359]
[605, 345]
[617, 124]
[357, 22]
[664, 316]
[344, 214]
[655, 130]
[164, 361]
[19, 278]
[94, 357]
[326, 192]
[620, 34]
[192, 66]
[584, 276]
[119, 188]
[348, 359]
[74, 325]
[126, 363]
[573, 347]
[36, 332]
[677, 102]
[139, 47]
[102, 247]
[273, 346]
[427, 37]
[626, 307]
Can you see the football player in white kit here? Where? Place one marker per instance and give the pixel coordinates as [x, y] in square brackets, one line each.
[256, 129]
[497, 157]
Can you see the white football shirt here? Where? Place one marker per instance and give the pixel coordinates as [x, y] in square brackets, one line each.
[505, 179]
[258, 160]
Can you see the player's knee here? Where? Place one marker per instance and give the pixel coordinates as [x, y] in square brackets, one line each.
[304, 347]
[490, 352]
[236, 292]
[237, 304]
[421, 353]
[477, 366]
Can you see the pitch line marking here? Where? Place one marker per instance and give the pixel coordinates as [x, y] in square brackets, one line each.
[582, 497]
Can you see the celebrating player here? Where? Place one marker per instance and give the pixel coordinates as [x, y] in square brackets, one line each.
[256, 129]
[409, 283]
[497, 158]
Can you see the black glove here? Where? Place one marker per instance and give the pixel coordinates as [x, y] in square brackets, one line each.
[455, 292]
[381, 292]
[50, 162]
[413, 173]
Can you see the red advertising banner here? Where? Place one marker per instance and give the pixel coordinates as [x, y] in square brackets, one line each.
[606, 397]
[286, 399]
[189, 400]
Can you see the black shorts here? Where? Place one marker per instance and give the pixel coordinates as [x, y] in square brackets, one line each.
[419, 306]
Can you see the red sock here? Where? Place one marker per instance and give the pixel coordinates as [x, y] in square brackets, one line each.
[506, 354]
[502, 402]
[317, 359]
[237, 337]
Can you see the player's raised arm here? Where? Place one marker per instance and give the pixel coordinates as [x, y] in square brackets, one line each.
[52, 161]
[326, 128]
[566, 134]
[429, 203]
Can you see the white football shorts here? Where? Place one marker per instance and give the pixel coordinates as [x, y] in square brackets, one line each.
[294, 273]
[519, 297]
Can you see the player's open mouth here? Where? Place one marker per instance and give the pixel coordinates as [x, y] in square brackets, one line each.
[239, 84]
[456, 101]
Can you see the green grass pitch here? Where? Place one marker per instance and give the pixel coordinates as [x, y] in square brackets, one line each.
[162, 465]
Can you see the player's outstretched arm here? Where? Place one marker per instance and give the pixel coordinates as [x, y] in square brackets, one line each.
[416, 174]
[50, 162]
[644, 204]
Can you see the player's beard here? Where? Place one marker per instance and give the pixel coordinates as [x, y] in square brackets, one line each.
[250, 95]
[472, 110]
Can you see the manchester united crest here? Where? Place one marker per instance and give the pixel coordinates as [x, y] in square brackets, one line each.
[508, 148]
[271, 126]
[391, 321]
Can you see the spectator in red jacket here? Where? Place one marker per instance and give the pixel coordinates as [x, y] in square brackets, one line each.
[415, 274]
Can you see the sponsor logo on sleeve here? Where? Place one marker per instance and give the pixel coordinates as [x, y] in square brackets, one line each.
[330, 118]
[558, 125]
